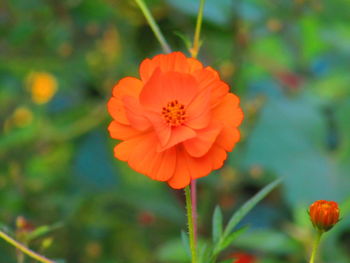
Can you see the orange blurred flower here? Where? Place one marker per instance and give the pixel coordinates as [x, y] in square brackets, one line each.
[177, 122]
[324, 214]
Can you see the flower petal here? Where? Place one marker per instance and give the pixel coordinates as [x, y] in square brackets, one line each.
[122, 132]
[208, 78]
[194, 65]
[182, 176]
[142, 156]
[228, 111]
[217, 155]
[162, 129]
[231, 116]
[200, 145]
[189, 168]
[228, 137]
[135, 114]
[175, 61]
[178, 135]
[198, 110]
[163, 88]
[125, 87]
[116, 109]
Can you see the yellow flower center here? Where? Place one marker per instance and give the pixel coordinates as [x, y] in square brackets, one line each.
[174, 113]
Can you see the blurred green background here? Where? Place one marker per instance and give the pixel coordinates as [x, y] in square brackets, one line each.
[289, 62]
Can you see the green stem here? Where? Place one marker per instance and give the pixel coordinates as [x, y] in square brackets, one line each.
[315, 246]
[190, 225]
[197, 33]
[153, 25]
[24, 249]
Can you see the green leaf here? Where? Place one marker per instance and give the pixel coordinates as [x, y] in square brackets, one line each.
[43, 230]
[204, 252]
[249, 205]
[217, 224]
[186, 242]
[172, 251]
[229, 239]
[268, 241]
[185, 39]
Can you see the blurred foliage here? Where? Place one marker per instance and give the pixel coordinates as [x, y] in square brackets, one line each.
[287, 59]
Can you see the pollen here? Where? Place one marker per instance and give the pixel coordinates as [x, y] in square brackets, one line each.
[174, 113]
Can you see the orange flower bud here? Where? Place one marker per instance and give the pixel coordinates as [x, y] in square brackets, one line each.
[324, 214]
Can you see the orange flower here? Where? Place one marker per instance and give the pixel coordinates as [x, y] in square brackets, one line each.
[177, 122]
[324, 214]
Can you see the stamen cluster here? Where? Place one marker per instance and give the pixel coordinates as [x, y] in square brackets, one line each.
[174, 113]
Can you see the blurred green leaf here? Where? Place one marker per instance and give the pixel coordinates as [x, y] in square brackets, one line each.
[217, 224]
[249, 205]
[268, 241]
[227, 241]
[42, 231]
[172, 251]
[186, 242]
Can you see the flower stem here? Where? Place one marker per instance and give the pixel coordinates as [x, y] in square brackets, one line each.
[153, 25]
[315, 246]
[194, 208]
[190, 224]
[24, 249]
[196, 39]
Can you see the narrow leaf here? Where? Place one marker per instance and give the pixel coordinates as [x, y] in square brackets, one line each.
[43, 230]
[249, 205]
[217, 224]
[186, 242]
[204, 252]
[230, 238]
[184, 38]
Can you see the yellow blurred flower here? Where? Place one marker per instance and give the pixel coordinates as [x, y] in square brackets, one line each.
[43, 86]
[22, 117]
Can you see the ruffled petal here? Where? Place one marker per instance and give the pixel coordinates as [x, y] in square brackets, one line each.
[194, 65]
[198, 111]
[217, 155]
[182, 176]
[125, 87]
[175, 61]
[228, 111]
[189, 168]
[161, 129]
[163, 88]
[142, 156]
[178, 135]
[122, 132]
[208, 78]
[135, 114]
[200, 145]
[228, 138]
[116, 109]
[231, 116]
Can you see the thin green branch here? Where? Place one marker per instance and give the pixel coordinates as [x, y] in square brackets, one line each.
[190, 224]
[196, 39]
[153, 25]
[24, 249]
[315, 246]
